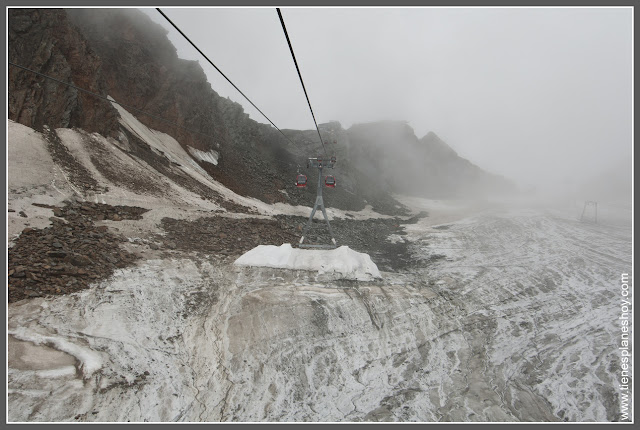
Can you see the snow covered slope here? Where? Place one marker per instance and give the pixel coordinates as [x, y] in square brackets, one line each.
[148, 169]
[500, 315]
[518, 321]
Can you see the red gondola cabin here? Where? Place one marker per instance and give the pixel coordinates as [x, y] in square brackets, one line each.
[330, 181]
[301, 181]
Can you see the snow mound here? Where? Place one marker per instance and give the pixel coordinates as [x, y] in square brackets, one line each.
[343, 260]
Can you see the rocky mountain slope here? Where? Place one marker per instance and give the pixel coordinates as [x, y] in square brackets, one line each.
[123, 54]
[126, 305]
[45, 41]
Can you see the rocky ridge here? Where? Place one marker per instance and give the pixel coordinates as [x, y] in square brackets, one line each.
[70, 255]
[123, 54]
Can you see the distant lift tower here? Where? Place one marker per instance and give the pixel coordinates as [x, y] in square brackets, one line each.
[590, 204]
[330, 181]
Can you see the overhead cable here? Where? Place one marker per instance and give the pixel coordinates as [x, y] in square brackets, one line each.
[220, 71]
[300, 75]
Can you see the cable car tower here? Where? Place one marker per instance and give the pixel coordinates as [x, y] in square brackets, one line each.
[588, 205]
[330, 181]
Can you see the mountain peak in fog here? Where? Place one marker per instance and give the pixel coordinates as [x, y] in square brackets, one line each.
[437, 145]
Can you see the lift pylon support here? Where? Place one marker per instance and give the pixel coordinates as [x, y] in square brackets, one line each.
[588, 204]
[317, 162]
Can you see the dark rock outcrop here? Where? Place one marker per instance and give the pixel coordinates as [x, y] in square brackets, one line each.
[44, 41]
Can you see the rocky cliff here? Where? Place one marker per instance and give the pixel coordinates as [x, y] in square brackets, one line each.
[123, 54]
[142, 69]
[45, 41]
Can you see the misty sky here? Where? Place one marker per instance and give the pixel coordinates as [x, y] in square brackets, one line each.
[540, 95]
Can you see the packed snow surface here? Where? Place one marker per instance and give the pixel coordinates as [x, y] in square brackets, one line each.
[343, 260]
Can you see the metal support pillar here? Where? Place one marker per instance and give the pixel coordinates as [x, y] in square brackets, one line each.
[595, 207]
[319, 204]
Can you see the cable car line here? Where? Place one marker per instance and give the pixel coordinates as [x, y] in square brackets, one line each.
[300, 75]
[108, 99]
[220, 71]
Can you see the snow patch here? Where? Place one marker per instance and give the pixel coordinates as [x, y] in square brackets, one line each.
[343, 260]
[162, 144]
[91, 361]
[395, 238]
[208, 157]
[29, 163]
[49, 373]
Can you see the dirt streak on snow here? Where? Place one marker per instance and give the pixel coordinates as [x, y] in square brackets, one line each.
[90, 361]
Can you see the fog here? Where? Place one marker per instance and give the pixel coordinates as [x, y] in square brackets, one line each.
[542, 96]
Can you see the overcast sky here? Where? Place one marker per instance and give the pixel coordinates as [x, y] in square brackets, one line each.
[540, 95]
